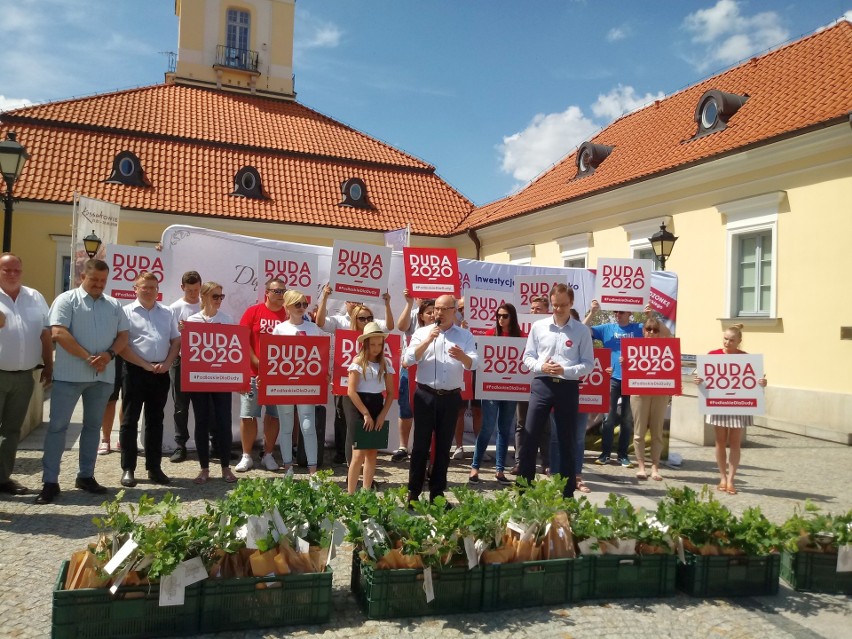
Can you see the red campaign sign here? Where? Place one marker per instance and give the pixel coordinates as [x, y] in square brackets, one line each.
[651, 366]
[467, 386]
[594, 387]
[125, 265]
[293, 369]
[214, 358]
[430, 272]
[359, 271]
[346, 347]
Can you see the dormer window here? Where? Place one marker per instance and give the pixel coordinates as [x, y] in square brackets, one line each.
[714, 110]
[247, 183]
[127, 169]
[355, 194]
[589, 157]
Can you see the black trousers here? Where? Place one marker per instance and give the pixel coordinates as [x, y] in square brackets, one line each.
[181, 402]
[148, 391]
[212, 419]
[432, 414]
[563, 397]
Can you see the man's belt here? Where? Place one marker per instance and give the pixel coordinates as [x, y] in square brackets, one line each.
[438, 391]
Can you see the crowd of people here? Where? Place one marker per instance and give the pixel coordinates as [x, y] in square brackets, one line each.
[89, 346]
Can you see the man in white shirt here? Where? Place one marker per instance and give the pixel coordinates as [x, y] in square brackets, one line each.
[24, 344]
[559, 351]
[189, 304]
[442, 352]
[153, 345]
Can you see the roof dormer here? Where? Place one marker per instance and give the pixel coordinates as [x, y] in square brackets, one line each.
[589, 157]
[714, 109]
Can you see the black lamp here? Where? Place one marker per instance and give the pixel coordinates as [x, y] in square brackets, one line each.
[662, 242]
[13, 156]
[91, 244]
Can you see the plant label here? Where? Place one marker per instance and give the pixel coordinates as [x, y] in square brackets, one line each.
[123, 553]
[192, 571]
[171, 592]
[844, 558]
[427, 584]
[470, 551]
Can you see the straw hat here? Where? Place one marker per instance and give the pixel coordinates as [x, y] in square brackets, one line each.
[372, 329]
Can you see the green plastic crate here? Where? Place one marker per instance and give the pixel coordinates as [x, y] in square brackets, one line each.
[531, 583]
[133, 612]
[616, 576]
[241, 604]
[727, 576]
[814, 572]
[388, 594]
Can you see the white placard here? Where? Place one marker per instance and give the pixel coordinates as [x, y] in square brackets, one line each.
[526, 320]
[125, 264]
[359, 272]
[501, 373]
[299, 271]
[529, 286]
[729, 385]
[470, 551]
[427, 584]
[122, 554]
[623, 285]
[192, 571]
[171, 591]
[481, 309]
[844, 558]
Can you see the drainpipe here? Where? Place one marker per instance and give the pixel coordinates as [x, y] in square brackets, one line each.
[475, 239]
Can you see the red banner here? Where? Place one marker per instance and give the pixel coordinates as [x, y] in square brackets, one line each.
[651, 366]
[430, 272]
[293, 369]
[346, 347]
[594, 387]
[214, 358]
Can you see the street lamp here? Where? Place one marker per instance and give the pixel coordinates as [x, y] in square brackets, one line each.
[13, 156]
[91, 244]
[662, 242]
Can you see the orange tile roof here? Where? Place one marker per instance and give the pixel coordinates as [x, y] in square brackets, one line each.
[800, 86]
[192, 141]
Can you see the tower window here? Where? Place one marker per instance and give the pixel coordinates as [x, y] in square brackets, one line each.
[237, 30]
[127, 169]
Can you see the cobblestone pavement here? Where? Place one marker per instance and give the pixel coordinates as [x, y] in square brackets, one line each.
[779, 470]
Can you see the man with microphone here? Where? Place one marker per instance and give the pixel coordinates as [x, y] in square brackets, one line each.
[442, 352]
[559, 351]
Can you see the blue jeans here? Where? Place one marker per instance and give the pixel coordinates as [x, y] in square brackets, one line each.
[307, 422]
[625, 435]
[63, 399]
[499, 413]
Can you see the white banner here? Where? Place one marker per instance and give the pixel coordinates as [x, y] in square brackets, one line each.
[501, 373]
[359, 272]
[398, 239]
[92, 216]
[481, 309]
[125, 264]
[297, 271]
[729, 385]
[623, 285]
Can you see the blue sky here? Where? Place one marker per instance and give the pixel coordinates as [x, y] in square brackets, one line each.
[489, 92]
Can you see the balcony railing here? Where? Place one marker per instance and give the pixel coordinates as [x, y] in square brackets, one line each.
[234, 58]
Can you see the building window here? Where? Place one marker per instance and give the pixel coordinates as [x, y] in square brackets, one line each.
[639, 237]
[237, 33]
[62, 272]
[714, 109]
[574, 250]
[646, 253]
[579, 262]
[589, 157]
[127, 169]
[754, 274]
[247, 183]
[752, 247]
[354, 192]
[521, 255]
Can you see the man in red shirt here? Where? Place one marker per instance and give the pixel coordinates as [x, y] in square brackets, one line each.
[261, 319]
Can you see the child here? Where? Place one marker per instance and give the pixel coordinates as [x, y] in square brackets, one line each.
[370, 375]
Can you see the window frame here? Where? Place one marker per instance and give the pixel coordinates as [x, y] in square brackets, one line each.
[238, 28]
[575, 248]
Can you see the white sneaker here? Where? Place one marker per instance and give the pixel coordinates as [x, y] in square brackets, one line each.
[268, 462]
[458, 453]
[245, 464]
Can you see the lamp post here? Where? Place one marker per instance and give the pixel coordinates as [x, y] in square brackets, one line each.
[91, 244]
[13, 156]
[662, 242]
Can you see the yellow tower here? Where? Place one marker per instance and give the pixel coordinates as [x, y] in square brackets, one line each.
[244, 46]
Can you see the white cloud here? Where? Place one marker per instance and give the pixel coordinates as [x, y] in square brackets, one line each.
[727, 36]
[618, 33]
[620, 100]
[7, 104]
[313, 33]
[550, 137]
[847, 16]
[545, 140]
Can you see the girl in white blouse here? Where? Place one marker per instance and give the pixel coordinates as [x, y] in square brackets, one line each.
[369, 397]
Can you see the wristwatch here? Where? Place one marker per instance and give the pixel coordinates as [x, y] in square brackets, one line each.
[111, 353]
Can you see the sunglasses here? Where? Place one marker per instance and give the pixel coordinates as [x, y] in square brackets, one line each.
[276, 291]
[652, 330]
[502, 316]
[368, 318]
[218, 296]
[300, 305]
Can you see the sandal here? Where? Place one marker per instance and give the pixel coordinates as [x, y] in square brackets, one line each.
[203, 477]
[228, 476]
[581, 486]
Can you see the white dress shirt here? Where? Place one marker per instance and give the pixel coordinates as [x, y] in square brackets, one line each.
[151, 331]
[20, 338]
[570, 346]
[437, 369]
[218, 318]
